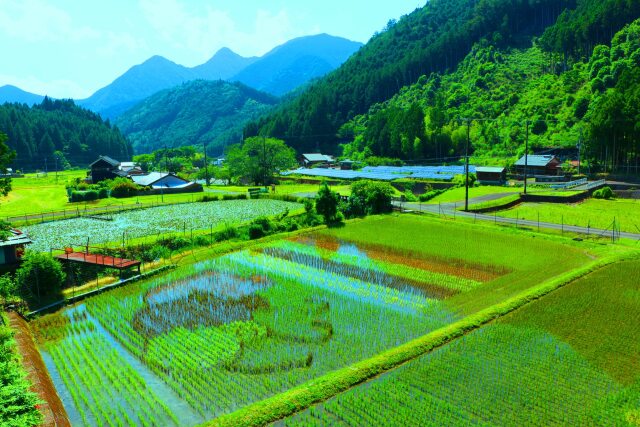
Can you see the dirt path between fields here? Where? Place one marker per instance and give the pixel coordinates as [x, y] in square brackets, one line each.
[52, 409]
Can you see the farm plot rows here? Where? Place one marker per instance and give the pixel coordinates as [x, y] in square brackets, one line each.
[225, 333]
[568, 359]
[228, 332]
[152, 221]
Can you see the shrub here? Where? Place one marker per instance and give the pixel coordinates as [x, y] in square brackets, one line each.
[8, 287]
[228, 233]
[604, 193]
[430, 195]
[369, 197]
[255, 231]
[209, 198]
[234, 197]
[39, 275]
[122, 187]
[103, 193]
[90, 195]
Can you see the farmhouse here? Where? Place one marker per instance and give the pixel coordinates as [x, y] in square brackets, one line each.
[105, 168]
[491, 175]
[166, 182]
[539, 165]
[316, 159]
[12, 249]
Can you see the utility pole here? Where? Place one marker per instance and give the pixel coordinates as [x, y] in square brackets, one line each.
[579, 150]
[56, 160]
[466, 163]
[526, 157]
[206, 164]
[46, 168]
[166, 159]
[264, 160]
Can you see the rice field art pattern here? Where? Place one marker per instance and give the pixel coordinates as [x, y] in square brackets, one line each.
[210, 338]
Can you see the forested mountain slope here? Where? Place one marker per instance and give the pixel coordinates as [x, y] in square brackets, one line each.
[471, 59]
[59, 131]
[197, 112]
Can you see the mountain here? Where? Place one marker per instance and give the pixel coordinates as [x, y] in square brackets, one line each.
[296, 62]
[10, 93]
[572, 86]
[59, 132]
[432, 39]
[137, 83]
[196, 112]
[281, 70]
[223, 65]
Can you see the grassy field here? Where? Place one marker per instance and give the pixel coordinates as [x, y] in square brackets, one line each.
[592, 212]
[34, 194]
[457, 194]
[569, 358]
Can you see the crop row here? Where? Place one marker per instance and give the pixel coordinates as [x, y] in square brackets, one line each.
[152, 221]
[104, 388]
[312, 322]
[499, 375]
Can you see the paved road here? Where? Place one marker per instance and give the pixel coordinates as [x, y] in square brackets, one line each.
[448, 210]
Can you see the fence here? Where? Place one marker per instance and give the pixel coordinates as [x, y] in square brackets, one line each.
[570, 184]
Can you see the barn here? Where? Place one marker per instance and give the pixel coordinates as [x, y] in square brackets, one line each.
[537, 164]
[491, 175]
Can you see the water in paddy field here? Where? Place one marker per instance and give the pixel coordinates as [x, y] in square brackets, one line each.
[183, 411]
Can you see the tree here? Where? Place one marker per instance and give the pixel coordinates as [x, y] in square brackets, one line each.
[8, 287]
[259, 158]
[369, 197]
[39, 275]
[6, 157]
[327, 204]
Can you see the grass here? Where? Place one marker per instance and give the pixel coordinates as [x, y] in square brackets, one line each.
[326, 386]
[35, 194]
[457, 194]
[493, 203]
[592, 212]
[598, 316]
[527, 259]
[569, 358]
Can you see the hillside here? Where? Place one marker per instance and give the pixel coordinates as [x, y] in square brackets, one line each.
[194, 113]
[283, 69]
[434, 40]
[296, 62]
[59, 132]
[9, 93]
[594, 101]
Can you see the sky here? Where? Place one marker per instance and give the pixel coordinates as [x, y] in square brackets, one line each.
[71, 48]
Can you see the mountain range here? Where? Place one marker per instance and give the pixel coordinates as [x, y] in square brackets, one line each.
[279, 71]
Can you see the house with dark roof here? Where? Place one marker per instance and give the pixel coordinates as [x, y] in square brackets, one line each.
[537, 164]
[12, 249]
[105, 168]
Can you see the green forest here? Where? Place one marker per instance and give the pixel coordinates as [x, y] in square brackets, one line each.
[59, 134]
[561, 66]
[195, 113]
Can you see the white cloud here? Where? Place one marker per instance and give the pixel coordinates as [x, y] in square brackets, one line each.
[60, 88]
[36, 20]
[204, 31]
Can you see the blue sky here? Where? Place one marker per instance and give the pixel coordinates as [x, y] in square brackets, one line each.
[71, 48]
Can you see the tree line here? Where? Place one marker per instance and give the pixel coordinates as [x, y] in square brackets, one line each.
[60, 132]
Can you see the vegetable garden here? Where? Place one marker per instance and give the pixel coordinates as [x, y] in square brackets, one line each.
[152, 221]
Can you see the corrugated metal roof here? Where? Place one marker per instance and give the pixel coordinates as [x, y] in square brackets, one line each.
[536, 160]
[317, 157]
[489, 169]
[149, 179]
